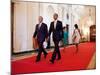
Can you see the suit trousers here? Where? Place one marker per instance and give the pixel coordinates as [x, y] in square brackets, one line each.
[41, 49]
[56, 51]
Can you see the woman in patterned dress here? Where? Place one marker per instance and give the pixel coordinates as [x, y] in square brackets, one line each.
[76, 36]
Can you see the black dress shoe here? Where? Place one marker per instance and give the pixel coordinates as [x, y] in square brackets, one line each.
[45, 55]
[52, 61]
[37, 60]
[59, 58]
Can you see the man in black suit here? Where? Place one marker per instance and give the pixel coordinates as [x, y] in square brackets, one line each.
[41, 32]
[57, 29]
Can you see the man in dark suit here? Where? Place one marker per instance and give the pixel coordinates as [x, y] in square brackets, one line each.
[57, 29]
[41, 32]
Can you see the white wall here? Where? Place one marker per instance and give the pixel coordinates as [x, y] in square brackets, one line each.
[20, 27]
[25, 19]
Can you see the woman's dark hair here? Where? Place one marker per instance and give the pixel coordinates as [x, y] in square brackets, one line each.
[76, 26]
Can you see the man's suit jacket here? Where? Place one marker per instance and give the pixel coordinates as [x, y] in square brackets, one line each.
[41, 32]
[57, 32]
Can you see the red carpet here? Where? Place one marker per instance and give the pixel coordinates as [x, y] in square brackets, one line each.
[69, 61]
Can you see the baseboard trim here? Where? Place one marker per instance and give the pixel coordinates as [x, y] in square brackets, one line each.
[30, 51]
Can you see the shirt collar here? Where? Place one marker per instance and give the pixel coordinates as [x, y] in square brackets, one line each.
[40, 23]
[55, 20]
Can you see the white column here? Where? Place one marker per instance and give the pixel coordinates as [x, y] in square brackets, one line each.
[32, 20]
[20, 27]
[71, 24]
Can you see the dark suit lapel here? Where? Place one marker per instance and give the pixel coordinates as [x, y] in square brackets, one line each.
[38, 27]
[53, 25]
